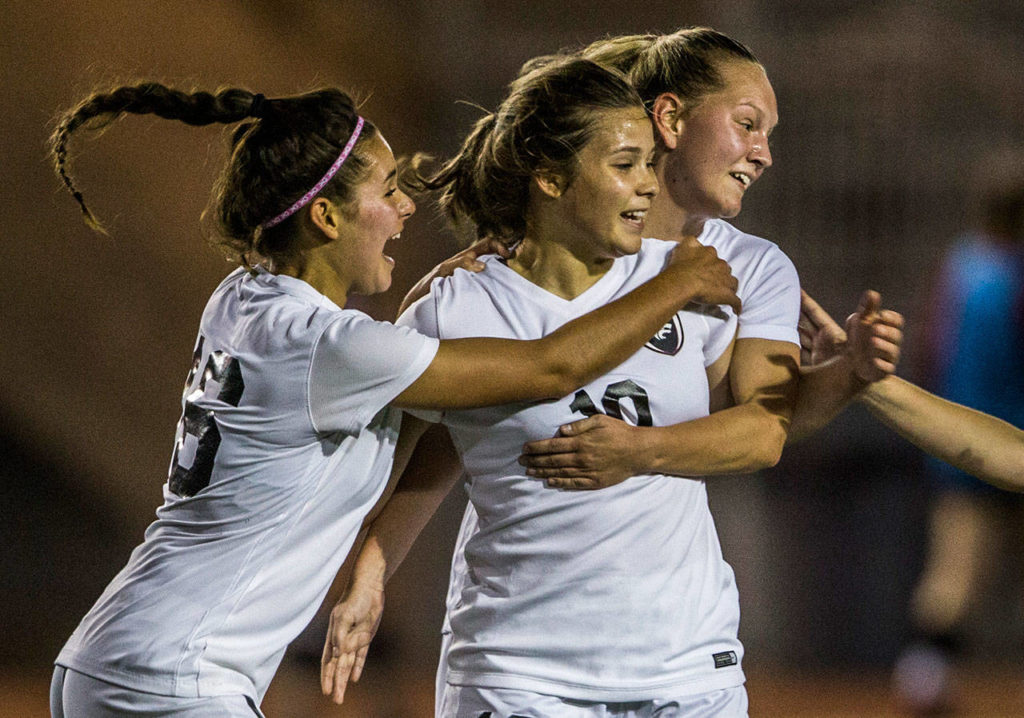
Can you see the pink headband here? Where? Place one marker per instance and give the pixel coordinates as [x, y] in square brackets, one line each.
[305, 199]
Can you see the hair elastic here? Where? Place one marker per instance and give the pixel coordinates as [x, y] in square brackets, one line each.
[305, 199]
[259, 101]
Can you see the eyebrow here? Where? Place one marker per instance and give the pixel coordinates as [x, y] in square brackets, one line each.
[759, 111]
[632, 149]
[392, 173]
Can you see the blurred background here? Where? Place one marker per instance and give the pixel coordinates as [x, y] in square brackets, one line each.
[884, 107]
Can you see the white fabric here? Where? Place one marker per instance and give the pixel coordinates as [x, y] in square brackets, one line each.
[612, 595]
[770, 290]
[76, 695]
[768, 283]
[227, 577]
[473, 702]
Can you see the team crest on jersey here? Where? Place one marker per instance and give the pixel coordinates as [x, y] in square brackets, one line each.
[669, 339]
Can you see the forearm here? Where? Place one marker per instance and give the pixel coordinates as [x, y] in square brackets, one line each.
[474, 372]
[590, 346]
[970, 440]
[824, 391]
[739, 440]
[428, 477]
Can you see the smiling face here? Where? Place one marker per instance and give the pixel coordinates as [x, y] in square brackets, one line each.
[605, 204]
[722, 144]
[376, 214]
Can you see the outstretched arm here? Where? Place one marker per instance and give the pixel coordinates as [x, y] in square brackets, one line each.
[469, 373]
[970, 440]
[428, 464]
[842, 363]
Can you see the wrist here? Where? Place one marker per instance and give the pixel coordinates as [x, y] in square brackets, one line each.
[874, 393]
[370, 570]
[645, 454]
[855, 384]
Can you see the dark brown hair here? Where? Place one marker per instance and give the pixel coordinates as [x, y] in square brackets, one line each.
[281, 149]
[547, 117]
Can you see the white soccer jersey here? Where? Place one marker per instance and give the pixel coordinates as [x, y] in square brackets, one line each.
[285, 443]
[609, 595]
[770, 291]
[768, 283]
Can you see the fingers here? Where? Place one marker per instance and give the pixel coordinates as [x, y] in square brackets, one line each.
[534, 449]
[734, 301]
[327, 665]
[813, 311]
[551, 461]
[893, 319]
[342, 670]
[582, 426]
[357, 667]
[870, 302]
[580, 483]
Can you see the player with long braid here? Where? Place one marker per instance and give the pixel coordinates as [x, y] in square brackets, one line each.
[287, 436]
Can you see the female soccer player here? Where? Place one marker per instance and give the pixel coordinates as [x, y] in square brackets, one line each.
[731, 110]
[286, 438]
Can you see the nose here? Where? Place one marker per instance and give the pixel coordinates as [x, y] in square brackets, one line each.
[648, 186]
[406, 206]
[760, 153]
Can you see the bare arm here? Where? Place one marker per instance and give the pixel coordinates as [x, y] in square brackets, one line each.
[600, 451]
[972, 441]
[480, 372]
[426, 478]
[842, 363]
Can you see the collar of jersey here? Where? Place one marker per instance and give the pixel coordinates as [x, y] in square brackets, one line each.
[524, 286]
[295, 288]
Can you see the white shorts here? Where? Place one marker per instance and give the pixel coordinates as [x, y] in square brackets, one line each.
[474, 702]
[76, 695]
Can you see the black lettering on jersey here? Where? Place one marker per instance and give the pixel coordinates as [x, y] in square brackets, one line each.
[612, 402]
[725, 658]
[669, 339]
[200, 423]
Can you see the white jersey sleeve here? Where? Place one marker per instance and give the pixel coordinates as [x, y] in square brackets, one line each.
[359, 365]
[771, 305]
[421, 316]
[768, 282]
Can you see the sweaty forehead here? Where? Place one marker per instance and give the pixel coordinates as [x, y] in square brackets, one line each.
[745, 83]
[379, 158]
[622, 128]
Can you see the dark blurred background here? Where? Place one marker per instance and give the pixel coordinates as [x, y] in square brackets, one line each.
[884, 106]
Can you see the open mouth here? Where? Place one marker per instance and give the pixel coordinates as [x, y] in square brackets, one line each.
[390, 260]
[742, 177]
[635, 217]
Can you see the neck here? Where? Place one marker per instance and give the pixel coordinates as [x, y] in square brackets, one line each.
[317, 275]
[667, 219]
[552, 264]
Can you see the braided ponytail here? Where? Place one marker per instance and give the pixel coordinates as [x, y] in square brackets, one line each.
[286, 145]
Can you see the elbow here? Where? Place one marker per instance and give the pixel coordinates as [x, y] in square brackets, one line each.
[564, 376]
[770, 444]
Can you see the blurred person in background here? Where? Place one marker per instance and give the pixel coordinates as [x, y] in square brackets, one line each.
[975, 358]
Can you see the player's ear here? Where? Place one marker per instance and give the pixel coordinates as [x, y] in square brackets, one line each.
[668, 117]
[324, 215]
[551, 183]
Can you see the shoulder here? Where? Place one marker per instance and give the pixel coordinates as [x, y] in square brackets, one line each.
[734, 244]
[653, 253]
